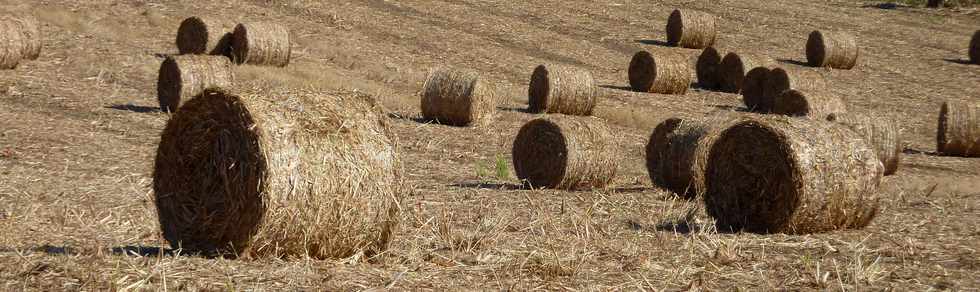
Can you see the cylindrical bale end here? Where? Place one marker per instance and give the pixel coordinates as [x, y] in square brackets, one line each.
[198, 35]
[733, 69]
[556, 89]
[779, 80]
[835, 50]
[666, 74]
[691, 29]
[709, 68]
[564, 152]
[753, 90]
[457, 98]
[958, 133]
[784, 175]
[678, 149]
[185, 76]
[261, 43]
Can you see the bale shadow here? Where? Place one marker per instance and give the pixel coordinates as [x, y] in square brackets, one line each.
[56, 250]
[489, 186]
[654, 42]
[917, 151]
[793, 62]
[142, 251]
[135, 108]
[416, 119]
[631, 190]
[958, 61]
[884, 5]
[515, 109]
[617, 87]
[734, 108]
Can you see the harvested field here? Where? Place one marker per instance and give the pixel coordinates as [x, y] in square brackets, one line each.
[80, 127]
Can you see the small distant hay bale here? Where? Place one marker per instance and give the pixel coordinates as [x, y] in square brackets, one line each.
[753, 90]
[557, 89]
[11, 45]
[958, 133]
[733, 69]
[880, 132]
[261, 43]
[814, 103]
[778, 174]
[708, 68]
[691, 29]
[666, 73]
[837, 50]
[779, 80]
[935, 3]
[677, 151]
[975, 48]
[200, 35]
[185, 76]
[30, 30]
[457, 97]
[565, 152]
[278, 173]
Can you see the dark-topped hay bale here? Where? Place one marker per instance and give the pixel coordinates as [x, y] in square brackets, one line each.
[457, 97]
[691, 29]
[204, 35]
[261, 43]
[30, 30]
[709, 68]
[278, 173]
[565, 90]
[779, 80]
[935, 3]
[880, 132]
[735, 67]
[565, 152]
[677, 151]
[778, 174]
[958, 133]
[185, 76]
[753, 90]
[975, 48]
[665, 73]
[813, 103]
[837, 50]
[11, 45]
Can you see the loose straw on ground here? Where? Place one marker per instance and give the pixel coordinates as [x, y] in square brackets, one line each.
[458, 98]
[958, 133]
[261, 43]
[565, 90]
[203, 35]
[278, 173]
[185, 76]
[691, 29]
[664, 73]
[565, 152]
[837, 50]
[880, 132]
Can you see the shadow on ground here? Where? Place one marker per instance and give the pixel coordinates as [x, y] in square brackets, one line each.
[134, 108]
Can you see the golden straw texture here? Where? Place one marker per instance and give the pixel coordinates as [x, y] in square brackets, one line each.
[565, 152]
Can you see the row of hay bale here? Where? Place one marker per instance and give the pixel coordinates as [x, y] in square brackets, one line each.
[207, 49]
[20, 39]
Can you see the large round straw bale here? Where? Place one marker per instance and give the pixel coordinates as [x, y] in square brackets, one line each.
[753, 90]
[564, 152]
[666, 73]
[959, 129]
[261, 43]
[709, 68]
[565, 90]
[185, 76]
[457, 97]
[691, 29]
[975, 48]
[814, 103]
[733, 69]
[678, 151]
[785, 175]
[880, 132]
[11, 45]
[779, 80]
[278, 173]
[832, 49]
[30, 31]
[200, 35]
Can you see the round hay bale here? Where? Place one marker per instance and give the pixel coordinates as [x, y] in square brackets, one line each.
[959, 129]
[779, 80]
[678, 151]
[753, 89]
[708, 68]
[837, 50]
[733, 69]
[277, 173]
[813, 103]
[784, 175]
[880, 132]
[30, 31]
[261, 43]
[556, 89]
[666, 74]
[975, 48]
[200, 35]
[564, 152]
[185, 76]
[457, 97]
[11, 45]
[691, 29]
[935, 3]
